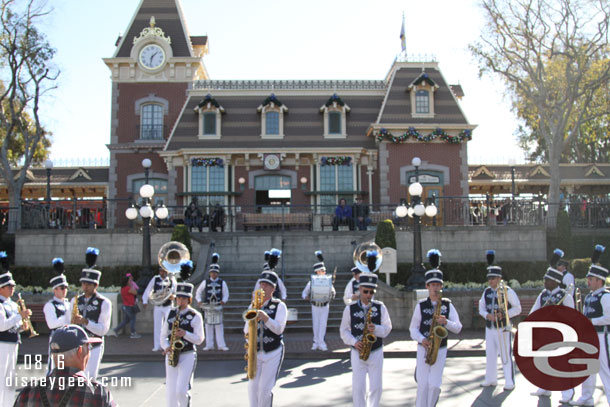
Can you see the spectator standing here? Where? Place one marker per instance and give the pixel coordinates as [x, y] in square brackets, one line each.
[129, 293]
[193, 216]
[343, 215]
[361, 214]
[218, 218]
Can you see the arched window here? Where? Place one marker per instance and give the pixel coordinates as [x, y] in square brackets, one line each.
[151, 122]
[422, 102]
[272, 117]
[335, 113]
[210, 114]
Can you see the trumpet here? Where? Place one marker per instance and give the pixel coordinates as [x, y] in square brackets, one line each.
[578, 300]
[502, 294]
[26, 324]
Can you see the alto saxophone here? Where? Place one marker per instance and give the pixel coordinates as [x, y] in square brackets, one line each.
[175, 344]
[437, 333]
[250, 317]
[368, 339]
[75, 313]
[26, 324]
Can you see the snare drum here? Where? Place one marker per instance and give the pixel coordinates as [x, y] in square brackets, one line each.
[321, 289]
[213, 314]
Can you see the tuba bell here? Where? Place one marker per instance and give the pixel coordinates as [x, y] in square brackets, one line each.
[360, 256]
[170, 256]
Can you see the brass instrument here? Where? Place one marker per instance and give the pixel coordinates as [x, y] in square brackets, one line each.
[568, 290]
[360, 256]
[578, 304]
[502, 293]
[251, 337]
[26, 324]
[175, 344]
[437, 333]
[171, 254]
[368, 339]
[75, 313]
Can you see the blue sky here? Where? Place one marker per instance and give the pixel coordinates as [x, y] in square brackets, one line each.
[272, 39]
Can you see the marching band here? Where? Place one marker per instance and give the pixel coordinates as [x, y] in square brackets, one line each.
[365, 322]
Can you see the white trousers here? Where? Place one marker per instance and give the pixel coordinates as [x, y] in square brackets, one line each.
[211, 331]
[494, 348]
[373, 367]
[8, 363]
[260, 389]
[319, 317]
[93, 366]
[588, 387]
[179, 380]
[429, 377]
[159, 317]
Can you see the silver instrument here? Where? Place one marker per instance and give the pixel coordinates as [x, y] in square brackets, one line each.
[213, 310]
[321, 287]
[170, 255]
[360, 256]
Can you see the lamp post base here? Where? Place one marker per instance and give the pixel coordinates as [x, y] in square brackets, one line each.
[417, 280]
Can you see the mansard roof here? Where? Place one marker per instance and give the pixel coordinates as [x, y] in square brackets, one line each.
[169, 17]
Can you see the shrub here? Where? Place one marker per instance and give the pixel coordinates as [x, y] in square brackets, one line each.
[386, 235]
[181, 234]
[40, 276]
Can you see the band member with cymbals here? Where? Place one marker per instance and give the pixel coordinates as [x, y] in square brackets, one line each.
[270, 348]
[429, 377]
[189, 330]
[213, 291]
[319, 310]
[351, 292]
[11, 321]
[597, 309]
[498, 336]
[94, 310]
[157, 284]
[58, 310]
[366, 356]
[272, 257]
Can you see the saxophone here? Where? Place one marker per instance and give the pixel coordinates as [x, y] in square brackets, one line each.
[437, 333]
[368, 339]
[75, 313]
[26, 324]
[175, 344]
[251, 337]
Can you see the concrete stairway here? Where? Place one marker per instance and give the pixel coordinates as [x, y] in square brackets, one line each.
[240, 289]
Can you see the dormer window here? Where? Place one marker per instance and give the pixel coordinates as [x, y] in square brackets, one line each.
[272, 117]
[335, 122]
[422, 96]
[210, 113]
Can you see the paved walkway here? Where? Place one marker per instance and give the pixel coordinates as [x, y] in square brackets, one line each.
[298, 346]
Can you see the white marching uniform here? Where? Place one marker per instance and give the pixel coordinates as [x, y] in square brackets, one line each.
[179, 379]
[280, 289]
[496, 346]
[597, 309]
[269, 358]
[430, 377]
[213, 330]
[349, 291]
[351, 321]
[568, 301]
[160, 311]
[57, 313]
[97, 309]
[319, 317]
[10, 325]
[568, 278]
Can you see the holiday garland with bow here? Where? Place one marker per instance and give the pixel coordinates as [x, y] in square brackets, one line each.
[336, 160]
[207, 162]
[412, 133]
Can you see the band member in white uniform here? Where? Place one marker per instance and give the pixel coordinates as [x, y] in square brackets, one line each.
[351, 292]
[158, 283]
[213, 291]
[271, 259]
[498, 335]
[554, 294]
[58, 310]
[11, 320]
[430, 377]
[179, 379]
[568, 279]
[597, 309]
[272, 317]
[319, 310]
[353, 326]
[94, 311]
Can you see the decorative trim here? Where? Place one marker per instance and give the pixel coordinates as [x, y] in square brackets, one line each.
[539, 170]
[207, 162]
[152, 32]
[594, 171]
[79, 173]
[151, 99]
[336, 160]
[285, 172]
[290, 85]
[272, 104]
[335, 104]
[483, 170]
[412, 133]
[209, 105]
[424, 167]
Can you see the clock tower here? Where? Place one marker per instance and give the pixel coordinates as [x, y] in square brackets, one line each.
[153, 66]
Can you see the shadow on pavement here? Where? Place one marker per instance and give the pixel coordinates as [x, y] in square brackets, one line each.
[487, 399]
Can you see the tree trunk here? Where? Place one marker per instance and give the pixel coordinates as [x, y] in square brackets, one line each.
[554, 190]
[14, 212]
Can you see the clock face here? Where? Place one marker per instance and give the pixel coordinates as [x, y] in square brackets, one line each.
[152, 56]
[272, 161]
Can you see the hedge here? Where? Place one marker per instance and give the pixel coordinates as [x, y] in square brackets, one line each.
[40, 276]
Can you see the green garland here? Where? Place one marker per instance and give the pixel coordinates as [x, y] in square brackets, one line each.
[337, 160]
[412, 133]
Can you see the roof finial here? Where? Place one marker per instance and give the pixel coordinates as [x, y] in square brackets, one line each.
[152, 22]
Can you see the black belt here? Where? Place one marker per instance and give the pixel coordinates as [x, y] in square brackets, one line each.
[319, 304]
[601, 328]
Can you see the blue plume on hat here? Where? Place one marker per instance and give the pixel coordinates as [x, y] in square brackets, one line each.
[186, 269]
[4, 261]
[318, 254]
[91, 256]
[555, 257]
[491, 256]
[215, 258]
[58, 265]
[274, 258]
[434, 258]
[597, 253]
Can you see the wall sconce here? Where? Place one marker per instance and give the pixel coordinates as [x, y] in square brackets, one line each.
[242, 183]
